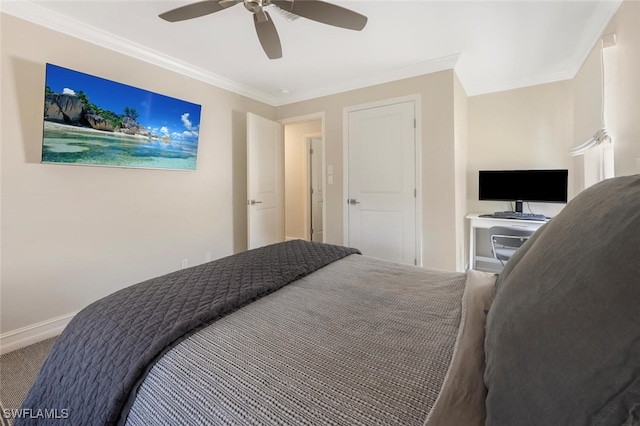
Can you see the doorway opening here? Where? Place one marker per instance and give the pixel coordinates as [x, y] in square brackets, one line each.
[304, 178]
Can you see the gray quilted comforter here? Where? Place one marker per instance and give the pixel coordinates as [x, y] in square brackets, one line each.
[109, 346]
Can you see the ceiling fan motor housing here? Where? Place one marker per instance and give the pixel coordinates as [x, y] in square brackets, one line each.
[253, 6]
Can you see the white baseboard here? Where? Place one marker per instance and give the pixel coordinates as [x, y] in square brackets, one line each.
[34, 333]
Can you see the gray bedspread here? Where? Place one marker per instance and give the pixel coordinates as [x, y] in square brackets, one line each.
[358, 342]
[107, 347]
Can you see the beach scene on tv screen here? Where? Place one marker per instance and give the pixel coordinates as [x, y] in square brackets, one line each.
[93, 121]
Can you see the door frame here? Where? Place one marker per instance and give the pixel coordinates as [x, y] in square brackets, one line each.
[307, 192]
[313, 117]
[416, 99]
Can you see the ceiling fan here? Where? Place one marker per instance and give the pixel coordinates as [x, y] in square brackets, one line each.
[316, 10]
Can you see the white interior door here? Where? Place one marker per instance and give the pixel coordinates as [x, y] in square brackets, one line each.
[382, 182]
[265, 177]
[317, 197]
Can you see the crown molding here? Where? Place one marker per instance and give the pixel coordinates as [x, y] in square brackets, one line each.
[501, 86]
[36, 14]
[597, 25]
[47, 18]
[599, 21]
[422, 68]
[32, 12]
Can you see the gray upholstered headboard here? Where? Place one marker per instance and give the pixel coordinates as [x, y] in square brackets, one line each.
[563, 334]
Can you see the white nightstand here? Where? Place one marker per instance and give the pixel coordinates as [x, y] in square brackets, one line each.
[476, 222]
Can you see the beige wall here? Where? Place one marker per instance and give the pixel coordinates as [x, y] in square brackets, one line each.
[621, 67]
[437, 144]
[72, 234]
[536, 126]
[587, 113]
[461, 138]
[529, 128]
[295, 177]
[622, 71]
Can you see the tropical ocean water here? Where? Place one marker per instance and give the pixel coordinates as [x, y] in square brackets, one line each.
[79, 145]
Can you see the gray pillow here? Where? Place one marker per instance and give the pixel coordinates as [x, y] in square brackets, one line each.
[563, 333]
[519, 254]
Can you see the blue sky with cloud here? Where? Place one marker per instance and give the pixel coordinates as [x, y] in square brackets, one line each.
[162, 115]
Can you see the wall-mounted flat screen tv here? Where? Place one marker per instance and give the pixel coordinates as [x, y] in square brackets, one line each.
[544, 186]
[89, 120]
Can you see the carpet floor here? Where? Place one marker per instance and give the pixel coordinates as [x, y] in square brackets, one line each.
[18, 370]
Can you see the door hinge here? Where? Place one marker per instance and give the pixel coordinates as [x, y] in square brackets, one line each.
[415, 193]
[415, 123]
[415, 262]
[311, 151]
[312, 231]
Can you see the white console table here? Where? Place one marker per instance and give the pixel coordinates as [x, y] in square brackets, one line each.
[476, 222]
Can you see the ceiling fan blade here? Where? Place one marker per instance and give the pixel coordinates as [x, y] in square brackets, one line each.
[268, 35]
[261, 16]
[327, 13]
[195, 10]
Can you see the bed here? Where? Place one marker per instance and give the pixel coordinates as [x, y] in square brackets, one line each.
[307, 333]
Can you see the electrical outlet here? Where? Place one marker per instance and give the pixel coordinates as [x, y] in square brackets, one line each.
[207, 256]
[185, 263]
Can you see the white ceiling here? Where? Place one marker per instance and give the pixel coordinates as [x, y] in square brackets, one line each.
[493, 45]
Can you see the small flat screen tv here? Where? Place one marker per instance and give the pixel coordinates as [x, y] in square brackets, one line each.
[542, 186]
